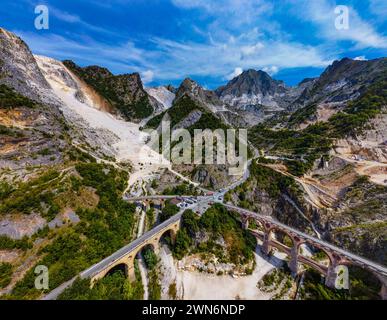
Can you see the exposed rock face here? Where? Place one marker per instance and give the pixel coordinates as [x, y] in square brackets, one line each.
[252, 88]
[29, 114]
[36, 133]
[256, 94]
[18, 68]
[124, 92]
[171, 88]
[342, 81]
[163, 95]
[204, 97]
[190, 120]
[213, 176]
[260, 97]
[370, 145]
[18, 227]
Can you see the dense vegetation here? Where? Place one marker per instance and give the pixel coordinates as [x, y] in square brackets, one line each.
[5, 274]
[31, 196]
[10, 99]
[177, 112]
[168, 211]
[101, 231]
[363, 286]
[10, 131]
[114, 286]
[8, 243]
[181, 109]
[217, 222]
[307, 145]
[263, 178]
[113, 89]
[182, 189]
[301, 115]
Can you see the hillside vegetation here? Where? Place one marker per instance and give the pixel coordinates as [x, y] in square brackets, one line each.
[307, 145]
[124, 92]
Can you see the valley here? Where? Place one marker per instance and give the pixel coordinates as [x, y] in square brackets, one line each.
[74, 152]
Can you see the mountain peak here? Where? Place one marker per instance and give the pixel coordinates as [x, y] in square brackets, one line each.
[254, 72]
[194, 90]
[189, 86]
[251, 82]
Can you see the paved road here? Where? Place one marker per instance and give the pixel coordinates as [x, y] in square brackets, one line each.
[158, 197]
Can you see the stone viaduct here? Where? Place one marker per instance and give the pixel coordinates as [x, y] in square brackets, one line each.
[124, 258]
[265, 230]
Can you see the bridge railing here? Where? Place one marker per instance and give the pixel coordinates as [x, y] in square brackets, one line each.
[110, 260]
[348, 255]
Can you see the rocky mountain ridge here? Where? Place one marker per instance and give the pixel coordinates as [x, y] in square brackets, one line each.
[124, 92]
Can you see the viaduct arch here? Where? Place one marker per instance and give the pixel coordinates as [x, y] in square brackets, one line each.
[267, 226]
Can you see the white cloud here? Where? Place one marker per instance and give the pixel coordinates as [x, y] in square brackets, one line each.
[362, 33]
[124, 57]
[360, 58]
[217, 59]
[272, 70]
[231, 41]
[251, 49]
[237, 71]
[147, 76]
[170, 60]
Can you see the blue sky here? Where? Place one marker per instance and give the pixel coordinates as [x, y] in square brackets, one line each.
[209, 41]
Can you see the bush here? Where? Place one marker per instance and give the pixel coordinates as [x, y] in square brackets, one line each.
[112, 287]
[9, 99]
[8, 243]
[5, 274]
[216, 222]
[150, 258]
[168, 211]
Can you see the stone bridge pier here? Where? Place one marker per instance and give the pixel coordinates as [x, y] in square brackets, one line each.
[332, 274]
[147, 204]
[127, 260]
[334, 278]
[383, 289]
[293, 263]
